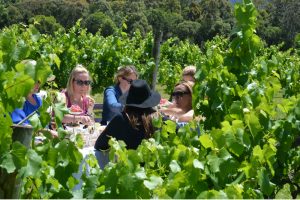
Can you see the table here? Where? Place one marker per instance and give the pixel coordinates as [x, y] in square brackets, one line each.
[89, 134]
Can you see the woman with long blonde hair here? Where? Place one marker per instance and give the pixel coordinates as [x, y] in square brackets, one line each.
[77, 96]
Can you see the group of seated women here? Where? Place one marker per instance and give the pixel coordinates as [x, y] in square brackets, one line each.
[130, 109]
[128, 106]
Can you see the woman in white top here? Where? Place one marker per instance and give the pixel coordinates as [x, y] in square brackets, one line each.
[181, 110]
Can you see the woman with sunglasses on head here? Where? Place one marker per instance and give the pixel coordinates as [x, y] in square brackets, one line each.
[77, 97]
[188, 73]
[111, 104]
[182, 110]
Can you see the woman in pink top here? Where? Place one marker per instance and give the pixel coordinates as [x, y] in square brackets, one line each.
[77, 96]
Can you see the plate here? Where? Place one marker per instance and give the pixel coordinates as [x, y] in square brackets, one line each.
[75, 113]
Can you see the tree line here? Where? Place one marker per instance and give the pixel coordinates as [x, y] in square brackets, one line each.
[194, 20]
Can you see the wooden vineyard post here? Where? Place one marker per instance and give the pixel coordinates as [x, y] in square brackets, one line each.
[11, 184]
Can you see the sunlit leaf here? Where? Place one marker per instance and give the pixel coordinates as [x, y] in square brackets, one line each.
[7, 163]
[264, 182]
[198, 164]
[19, 152]
[174, 166]
[153, 182]
[284, 193]
[206, 141]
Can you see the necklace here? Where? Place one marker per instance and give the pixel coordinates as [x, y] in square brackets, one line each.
[77, 101]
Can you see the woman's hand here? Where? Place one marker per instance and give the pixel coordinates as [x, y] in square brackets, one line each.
[90, 105]
[172, 111]
[85, 120]
[91, 101]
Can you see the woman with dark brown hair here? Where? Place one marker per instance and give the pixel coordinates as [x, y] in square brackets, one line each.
[135, 122]
[182, 110]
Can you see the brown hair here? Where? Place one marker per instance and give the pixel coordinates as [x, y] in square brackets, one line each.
[125, 71]
[188, 84]
[76, 70]
[141, 118]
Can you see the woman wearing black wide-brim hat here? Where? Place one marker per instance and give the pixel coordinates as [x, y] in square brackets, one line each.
[135, 122]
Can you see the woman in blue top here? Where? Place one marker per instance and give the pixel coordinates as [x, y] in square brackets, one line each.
[111, 104]
[32, 103]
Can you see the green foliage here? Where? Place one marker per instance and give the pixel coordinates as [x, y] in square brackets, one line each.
[98, 21]
[215, 18]
[65, 12]
[10, 15]
[297, 43]
[158, 19]
[187, 29]
[236, 92]
[277, 19]
[19, 72]
[102, 56]
[100, 6]
[174, 56]
[137, 22]
[246, 147]
[45, 24]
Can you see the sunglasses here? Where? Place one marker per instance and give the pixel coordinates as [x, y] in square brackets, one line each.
[129, 81]
[179, 94]
[81, 82]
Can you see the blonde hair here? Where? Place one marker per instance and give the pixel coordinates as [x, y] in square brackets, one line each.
[125, 71]
[76, 70]
[189, 71]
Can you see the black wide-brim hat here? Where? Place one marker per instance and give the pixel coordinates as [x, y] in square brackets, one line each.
[140, 95]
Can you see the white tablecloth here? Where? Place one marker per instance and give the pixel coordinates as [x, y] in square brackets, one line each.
[89, 134]
[89, 138]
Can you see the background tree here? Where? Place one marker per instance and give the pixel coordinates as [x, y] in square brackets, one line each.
[187, 29]
[135, 17]
[215, 18]
[173, 6]
[290, 20]
[158, 20]
[100, 6]
[14, 15]
[65, 12]
[192, 12]
[45, 24]
[163, 20]
[6, 2]
[186, 3]
[277, 20]
[137, 21]
[99, 21]
[70, 12]
[3, 16]
[118, 8]
[266, 29]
